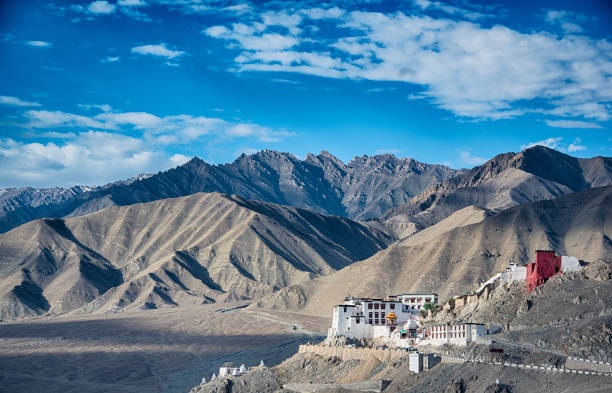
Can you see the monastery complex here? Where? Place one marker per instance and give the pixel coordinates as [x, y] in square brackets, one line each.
[395, 321]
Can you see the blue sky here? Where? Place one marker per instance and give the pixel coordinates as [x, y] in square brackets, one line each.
[92, 92]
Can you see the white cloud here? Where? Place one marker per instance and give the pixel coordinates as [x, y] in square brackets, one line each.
[576, 146]
[160, 50]
[470, 70]
[571, 124]
[239, 9]
[156, 130]
[14, 101]
[39, 44]
[111, 59]
[467, 158]
[388, 151]
[564, 19]
[91, 158]
[141, 120]
[131, 3]
[101, 107]
[323, 13]
[101, 7]
[449, 9]
[108, 145]
[50, 119]
[557, 144]
[179, 159]
[552, 142]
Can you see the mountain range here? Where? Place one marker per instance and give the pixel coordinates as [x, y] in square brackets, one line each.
[364, 188]
[507, 180]
[282, 232]
[187, 250]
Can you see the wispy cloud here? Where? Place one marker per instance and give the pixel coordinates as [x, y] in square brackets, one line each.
[467, 158]
[89, 158]
[39, 44]
[131, 3]
[449, 9]
[14, 101]
[455, 63]
[159, 50]
[572, 124]
[566, 20]
[51, 119]
[101, 7]
[111, 59]
[576, 146]
[159, 130]
[388, 151]
[557, 144]
[108, 145]
[552, 142]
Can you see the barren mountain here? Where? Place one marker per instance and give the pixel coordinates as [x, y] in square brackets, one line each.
[362, 189]
[369, 186]
[188, 250]
[507, 180]
[452, 256]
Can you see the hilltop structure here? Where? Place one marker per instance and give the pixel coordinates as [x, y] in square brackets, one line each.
[546, 265]
[370, 318]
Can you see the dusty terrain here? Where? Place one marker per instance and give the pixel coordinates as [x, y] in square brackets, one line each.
[147, 351]
[313, 372]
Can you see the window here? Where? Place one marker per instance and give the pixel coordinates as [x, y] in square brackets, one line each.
[392, 306]
[357, 320]
[376, 314]
[370, 306]
[370, 315]
[376, 322]
[382, 315]
[344, 308]
[376, 306]
[369, 321]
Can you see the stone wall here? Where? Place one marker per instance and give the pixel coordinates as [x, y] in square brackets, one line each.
[345, 353]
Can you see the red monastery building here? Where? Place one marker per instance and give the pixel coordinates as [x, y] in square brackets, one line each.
[546, 265]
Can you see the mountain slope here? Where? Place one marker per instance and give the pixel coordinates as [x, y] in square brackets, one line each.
[507, 180]
[188, 250]
[453, 260]
[362, 189]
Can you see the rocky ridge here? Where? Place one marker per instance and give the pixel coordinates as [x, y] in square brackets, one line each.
[507, 180]
[361, 189]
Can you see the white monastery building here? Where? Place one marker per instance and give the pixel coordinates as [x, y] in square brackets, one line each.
[455, 334]
[371, 318]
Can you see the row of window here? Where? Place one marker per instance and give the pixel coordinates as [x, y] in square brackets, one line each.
[382, 315]
[382, 306]
[452, 335]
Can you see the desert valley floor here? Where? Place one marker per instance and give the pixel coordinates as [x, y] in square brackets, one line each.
[145, 351]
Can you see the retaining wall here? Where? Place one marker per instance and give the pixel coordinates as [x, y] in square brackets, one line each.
[344, 353]
[367, 386]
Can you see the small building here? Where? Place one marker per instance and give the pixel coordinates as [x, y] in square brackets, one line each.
[228, 368]
[454, 334]
[546, 265]
[514, 273]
